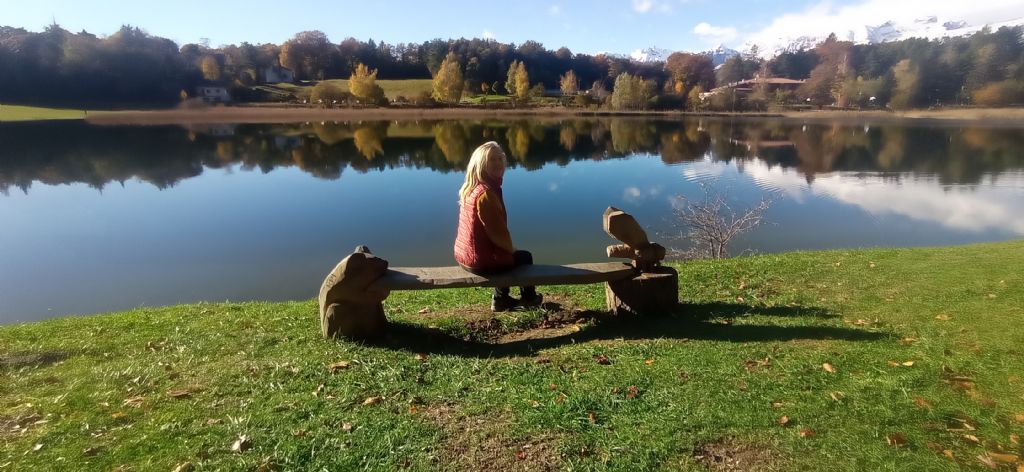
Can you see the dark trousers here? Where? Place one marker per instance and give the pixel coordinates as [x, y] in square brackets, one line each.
[519, 258]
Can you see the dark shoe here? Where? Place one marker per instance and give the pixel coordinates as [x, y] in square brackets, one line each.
[503, 303]
[531, 300]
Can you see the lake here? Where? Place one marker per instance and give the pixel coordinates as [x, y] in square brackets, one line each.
[102, 218]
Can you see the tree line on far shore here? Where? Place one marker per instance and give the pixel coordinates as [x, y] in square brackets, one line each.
[130, 66]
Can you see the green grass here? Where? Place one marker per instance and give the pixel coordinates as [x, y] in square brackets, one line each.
[31, 113]
[710, 380]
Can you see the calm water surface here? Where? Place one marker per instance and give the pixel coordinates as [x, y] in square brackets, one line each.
[100, 218]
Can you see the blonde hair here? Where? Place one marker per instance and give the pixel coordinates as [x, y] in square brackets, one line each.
[477, 164]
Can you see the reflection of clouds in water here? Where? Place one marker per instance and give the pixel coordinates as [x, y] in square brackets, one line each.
[553, 187]
[633, 194]
[920, 197]
[706, 169]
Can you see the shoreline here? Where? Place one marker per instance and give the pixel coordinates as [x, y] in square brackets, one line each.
[250, 114]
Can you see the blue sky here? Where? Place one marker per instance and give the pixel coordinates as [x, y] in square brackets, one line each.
[617, 26]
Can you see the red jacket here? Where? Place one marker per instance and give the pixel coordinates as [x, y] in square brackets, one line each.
[483, 240]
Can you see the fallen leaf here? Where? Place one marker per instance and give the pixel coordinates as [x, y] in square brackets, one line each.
[632, 392]
[893, 363]
[37, 447]
[777, 404]
[972, 438]
[372, 401]
[828, 368]
[1004, 458]
[922, 403]
[340, 365]
[134, 402]
[91, 451]
[602, 359]
[425, 311]
[542, 360]
[179, 394]
[319, 388]
[649, 361]
[1020, 467]
[1015, 439]
[560, 398]
[896, 439]
[836, 396]
[907, 363]
[943, 318]
[807, 433]
[183, 467]
[908, 341]
[298, 433]
[420, 357]
[521, 454]
[592, 417]
[413, 410]
[948, 453]
[346, 426]
[213, 421]
[1019, 417]
[783, 421]
[552, 387]
[740, 299]
[117, 415]
[871, 264]
[242, 444]
[985, 459]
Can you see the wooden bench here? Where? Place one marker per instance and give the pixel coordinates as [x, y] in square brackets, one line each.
[351, 295]
[428, 278]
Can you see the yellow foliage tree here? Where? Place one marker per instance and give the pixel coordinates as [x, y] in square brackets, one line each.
[448, 82]
[362, 84]
[210, 68]
[569, 84]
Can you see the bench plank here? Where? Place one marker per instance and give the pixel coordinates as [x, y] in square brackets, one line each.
[426, 278]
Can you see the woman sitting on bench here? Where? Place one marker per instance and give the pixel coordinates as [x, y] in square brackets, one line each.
[483, 245]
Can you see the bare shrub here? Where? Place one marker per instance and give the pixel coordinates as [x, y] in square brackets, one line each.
[708, 223]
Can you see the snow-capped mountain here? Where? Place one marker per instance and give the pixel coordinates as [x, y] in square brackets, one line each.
[721, 54]
[651, 54]
[929, 26]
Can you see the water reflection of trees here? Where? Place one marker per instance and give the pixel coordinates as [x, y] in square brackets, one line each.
[60, 153]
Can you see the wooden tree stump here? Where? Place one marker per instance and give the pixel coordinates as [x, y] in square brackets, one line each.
[652, 292]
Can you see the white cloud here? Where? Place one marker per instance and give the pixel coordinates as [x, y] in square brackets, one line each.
[554, 10]
[851, 22]
[487, 34]
[715, 34]
[645, 6]
[642, 6]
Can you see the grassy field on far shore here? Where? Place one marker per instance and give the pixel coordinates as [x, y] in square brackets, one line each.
[407, 88]
[889, 359]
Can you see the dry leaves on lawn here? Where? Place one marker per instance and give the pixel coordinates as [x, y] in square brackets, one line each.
[783, 421]
[896, 439]
[922, 403]
[242, 444]
[602, 359]
[372, 401]
[340, 365]
[828, 368]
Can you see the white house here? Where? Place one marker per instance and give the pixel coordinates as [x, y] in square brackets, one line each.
[277, 74]
[213, 94]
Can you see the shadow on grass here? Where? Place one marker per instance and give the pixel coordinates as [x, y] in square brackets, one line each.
[712, 321]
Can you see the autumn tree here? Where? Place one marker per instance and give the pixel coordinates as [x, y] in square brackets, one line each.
[307, 54]
[690, 70]
[569, 84]
[210, 68]
[448, 82]
[907, 88]
[632, 92]
[518, 82]
[825, 84]
[693, 99]
[362, 84]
